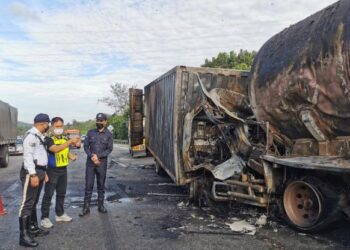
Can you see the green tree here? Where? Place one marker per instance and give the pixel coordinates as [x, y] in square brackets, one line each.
[22, 128]
[119, 99]
[120, 125]
[241, 61]
[84, 127]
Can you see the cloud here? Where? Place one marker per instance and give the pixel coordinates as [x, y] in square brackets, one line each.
[75, 51]
[22, 12]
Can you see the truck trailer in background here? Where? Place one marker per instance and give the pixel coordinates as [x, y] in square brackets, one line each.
[136, 123]
[8, 131]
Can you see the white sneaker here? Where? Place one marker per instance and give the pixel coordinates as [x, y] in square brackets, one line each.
[46, 223]
[63, 218]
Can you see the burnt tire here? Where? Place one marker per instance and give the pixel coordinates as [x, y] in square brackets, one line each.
[200, 192]
[159, 170]
[194, 192]
[4, 157]
[310, 204]
[148, 153]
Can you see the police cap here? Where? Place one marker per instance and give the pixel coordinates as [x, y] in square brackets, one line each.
[101, 116]
[41, 118]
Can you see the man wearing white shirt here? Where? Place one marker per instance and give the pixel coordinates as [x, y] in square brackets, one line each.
[33, 175]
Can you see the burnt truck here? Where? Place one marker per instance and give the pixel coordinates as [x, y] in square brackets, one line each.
[8, 131]
[276, 137]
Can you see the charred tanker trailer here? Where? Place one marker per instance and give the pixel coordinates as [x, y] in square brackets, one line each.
[280, 137]
[300, 87]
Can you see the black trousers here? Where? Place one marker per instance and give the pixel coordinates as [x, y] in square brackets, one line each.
[57, 182]
[100, 173]
[30, 194]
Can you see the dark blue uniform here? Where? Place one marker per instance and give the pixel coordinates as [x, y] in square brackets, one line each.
[101, 144]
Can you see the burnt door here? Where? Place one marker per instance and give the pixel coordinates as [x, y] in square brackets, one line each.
[135, 117]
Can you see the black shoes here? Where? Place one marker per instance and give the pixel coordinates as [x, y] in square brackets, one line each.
[34, 229]
[101, 207]
[86, 209]
[25, 239]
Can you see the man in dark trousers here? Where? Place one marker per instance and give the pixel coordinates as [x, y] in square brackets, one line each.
[58, 161]
[98, 145]
[33, 174]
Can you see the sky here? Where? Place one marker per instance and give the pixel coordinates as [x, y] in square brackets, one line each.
[60, 56]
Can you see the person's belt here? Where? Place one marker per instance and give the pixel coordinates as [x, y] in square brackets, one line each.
[40, 167]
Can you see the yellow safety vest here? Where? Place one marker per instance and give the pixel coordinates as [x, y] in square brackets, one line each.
[62, 157]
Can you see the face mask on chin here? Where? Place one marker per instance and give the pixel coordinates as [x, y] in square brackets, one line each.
[58, 131]
[99, 125]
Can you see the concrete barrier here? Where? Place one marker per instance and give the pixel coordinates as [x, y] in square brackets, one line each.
[116, 141]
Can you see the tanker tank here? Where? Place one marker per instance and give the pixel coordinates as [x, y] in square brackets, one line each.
[300, 81]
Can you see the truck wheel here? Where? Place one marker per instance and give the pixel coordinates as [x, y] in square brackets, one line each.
[4, 157]
[194, 192]
[148, 153]
[310, 204]
[199, 192]
[159, 170]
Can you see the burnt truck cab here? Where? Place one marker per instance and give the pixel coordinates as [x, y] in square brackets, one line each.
[201, 131]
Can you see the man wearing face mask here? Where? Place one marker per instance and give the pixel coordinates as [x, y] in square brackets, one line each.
[33, 175]
[98, 145]
[59, 156]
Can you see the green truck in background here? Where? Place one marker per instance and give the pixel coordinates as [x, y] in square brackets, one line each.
[8, 133]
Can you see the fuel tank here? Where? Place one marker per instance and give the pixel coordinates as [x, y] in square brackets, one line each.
[300, 81]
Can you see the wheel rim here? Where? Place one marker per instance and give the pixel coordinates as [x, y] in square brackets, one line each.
[303, 204]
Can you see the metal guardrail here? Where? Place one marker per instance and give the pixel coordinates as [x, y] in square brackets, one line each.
[116, 141]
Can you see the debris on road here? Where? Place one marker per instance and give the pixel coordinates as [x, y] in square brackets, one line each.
[261, 221]
[181, 204]
[242, 226]
[120, 164]
[150, 166]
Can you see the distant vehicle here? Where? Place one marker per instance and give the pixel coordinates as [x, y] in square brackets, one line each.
[8, 125]
[72, 133]
[17, 148]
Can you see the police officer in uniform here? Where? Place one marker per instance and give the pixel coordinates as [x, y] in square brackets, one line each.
[33, 175]
[98, 145]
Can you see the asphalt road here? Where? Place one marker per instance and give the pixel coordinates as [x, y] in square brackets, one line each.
[139, 219]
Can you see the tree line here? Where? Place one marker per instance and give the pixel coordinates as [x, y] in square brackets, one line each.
[242, 60]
